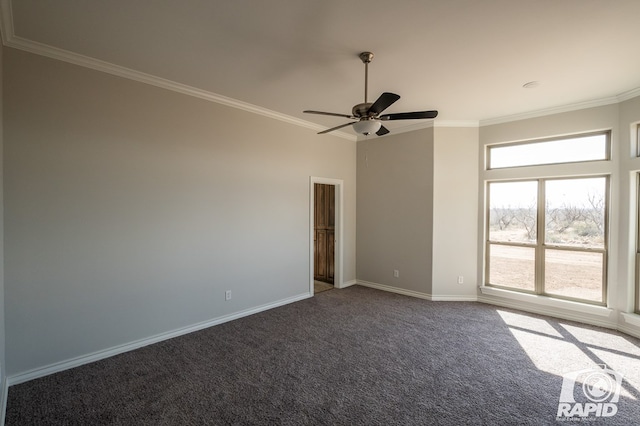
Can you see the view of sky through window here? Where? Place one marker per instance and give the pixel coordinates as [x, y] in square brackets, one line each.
[583, 148]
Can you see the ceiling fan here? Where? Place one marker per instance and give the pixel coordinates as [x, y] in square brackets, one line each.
[368, 115]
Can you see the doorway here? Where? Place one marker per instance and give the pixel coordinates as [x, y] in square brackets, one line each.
[324, 237]
[325, 226]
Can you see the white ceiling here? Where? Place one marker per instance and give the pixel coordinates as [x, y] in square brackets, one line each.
[466, 58]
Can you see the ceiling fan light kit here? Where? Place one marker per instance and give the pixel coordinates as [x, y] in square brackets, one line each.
[368, 115]
[366, 127]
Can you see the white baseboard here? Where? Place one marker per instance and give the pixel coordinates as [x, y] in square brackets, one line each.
[391, 289]
[547, 303]
[420, 295]
[632, 319]
[595, 315]
[549, 311]
[116, 350]
[626, 324]
[630, 324]
[631, 331]
[602, 316]
[453, 298]
[348, 284]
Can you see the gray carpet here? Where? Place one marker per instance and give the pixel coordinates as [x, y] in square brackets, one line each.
[356, 356]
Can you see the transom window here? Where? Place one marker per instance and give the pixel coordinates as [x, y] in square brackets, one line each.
[590, 147]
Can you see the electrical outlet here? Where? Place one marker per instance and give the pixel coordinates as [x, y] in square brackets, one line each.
[227, 295]
[396, 273]
[460, 279]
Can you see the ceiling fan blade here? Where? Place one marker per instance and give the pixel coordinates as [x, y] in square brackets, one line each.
[328, 113]
[383, 131]
[336, 128]
[383, 102]
[410, 115]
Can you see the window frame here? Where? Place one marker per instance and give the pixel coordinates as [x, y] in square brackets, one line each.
[489, 243]
[636, 301]
[636, 304]
[540, 246]
[606, 133]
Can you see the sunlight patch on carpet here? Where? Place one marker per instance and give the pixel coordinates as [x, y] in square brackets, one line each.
[561, 348]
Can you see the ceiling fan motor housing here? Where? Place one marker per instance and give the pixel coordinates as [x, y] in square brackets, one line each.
[361, 110]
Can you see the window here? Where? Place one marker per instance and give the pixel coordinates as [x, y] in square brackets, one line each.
[548, 235]
[512, 234]
[591, 147]
[574, 243]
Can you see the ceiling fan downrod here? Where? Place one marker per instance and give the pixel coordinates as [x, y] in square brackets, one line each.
[366, 58]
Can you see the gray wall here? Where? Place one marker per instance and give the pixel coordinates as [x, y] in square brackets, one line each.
[455, 216]
[130, 209]
[417, 212]
[395, 210]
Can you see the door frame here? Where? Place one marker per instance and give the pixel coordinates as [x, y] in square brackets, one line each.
[337, 254]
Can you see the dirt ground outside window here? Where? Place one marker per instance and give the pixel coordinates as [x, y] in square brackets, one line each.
[568, 273]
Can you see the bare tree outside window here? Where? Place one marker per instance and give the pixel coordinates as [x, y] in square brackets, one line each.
[574, 212]
[574, 217]
[512, 222]
[513, 208]
[571, 246]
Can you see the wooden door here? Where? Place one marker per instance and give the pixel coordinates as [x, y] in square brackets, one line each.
[324, 232]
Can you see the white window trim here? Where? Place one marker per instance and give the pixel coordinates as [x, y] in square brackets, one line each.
[548, 302]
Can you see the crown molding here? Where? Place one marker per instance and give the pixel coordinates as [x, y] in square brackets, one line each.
[457, 123]
[564, 108]
[549, 111]
[629, 95]
[109, 68]
[11, 40]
